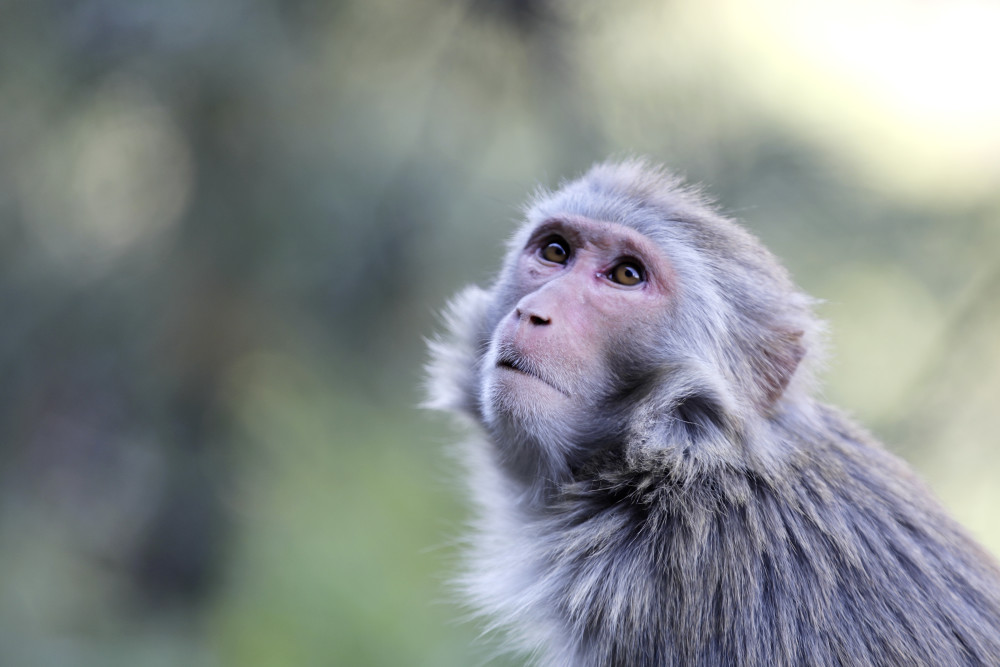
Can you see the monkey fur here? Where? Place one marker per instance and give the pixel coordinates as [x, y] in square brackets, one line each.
[702, 507]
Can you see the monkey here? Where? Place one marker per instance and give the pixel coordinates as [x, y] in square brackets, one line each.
[655, 481]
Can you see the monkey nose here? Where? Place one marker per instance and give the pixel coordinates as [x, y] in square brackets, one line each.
[533, 318]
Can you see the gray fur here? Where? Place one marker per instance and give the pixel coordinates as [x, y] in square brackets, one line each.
[714, 512]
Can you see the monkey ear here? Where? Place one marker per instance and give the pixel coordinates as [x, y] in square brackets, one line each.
[777, 361]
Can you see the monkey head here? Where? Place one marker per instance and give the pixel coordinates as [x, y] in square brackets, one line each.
[627, 315]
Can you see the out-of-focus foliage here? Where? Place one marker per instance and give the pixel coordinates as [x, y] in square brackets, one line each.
[225, 229]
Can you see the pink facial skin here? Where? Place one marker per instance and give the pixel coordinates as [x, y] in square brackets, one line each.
[583, 285]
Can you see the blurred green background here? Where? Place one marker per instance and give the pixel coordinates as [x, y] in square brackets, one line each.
[226, 228]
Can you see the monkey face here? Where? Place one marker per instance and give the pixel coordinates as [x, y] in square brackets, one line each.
[576, 293]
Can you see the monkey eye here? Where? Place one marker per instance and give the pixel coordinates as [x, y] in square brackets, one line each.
[556, 251]
[626, 273]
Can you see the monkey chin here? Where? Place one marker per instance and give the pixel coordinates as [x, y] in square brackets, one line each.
[519, 394]
[520, 397]
[533, 424]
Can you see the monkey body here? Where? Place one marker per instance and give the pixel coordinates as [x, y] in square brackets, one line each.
[648, 564]
[656, 484]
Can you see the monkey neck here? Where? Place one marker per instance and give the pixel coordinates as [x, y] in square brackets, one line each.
[693, 444]
[536, 461]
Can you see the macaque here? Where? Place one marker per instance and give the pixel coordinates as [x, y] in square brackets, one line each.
[655, 482]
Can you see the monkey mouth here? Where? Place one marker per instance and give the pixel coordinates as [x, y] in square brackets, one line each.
[519, 365]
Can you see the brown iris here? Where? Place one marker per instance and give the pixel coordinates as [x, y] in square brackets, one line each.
[626, 273]
[556, 251]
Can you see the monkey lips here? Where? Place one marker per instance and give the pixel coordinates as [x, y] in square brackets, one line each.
[508, 360]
